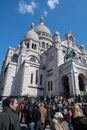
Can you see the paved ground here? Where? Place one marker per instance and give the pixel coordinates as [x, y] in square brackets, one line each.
[24, 127]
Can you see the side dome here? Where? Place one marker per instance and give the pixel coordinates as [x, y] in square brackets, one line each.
[42, 28]
[56, 33]
[31, 34]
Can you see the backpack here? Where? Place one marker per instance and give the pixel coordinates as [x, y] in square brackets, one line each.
[30, 113]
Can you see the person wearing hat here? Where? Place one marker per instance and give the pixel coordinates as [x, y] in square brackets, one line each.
[56, 123]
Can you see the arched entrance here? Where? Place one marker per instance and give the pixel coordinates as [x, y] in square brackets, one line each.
[81, 78]
[65, 84]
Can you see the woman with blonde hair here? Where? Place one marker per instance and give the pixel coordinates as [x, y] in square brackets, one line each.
[79, 120]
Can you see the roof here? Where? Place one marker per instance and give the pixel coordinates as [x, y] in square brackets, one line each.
[42, 28]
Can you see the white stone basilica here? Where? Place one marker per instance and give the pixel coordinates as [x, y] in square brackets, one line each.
[44, 65]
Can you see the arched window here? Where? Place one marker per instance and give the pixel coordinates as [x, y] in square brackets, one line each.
[35, 46]
[47, 45]
[32, 59]
[27, 45]
[31, 81]
[41, 79]
[36, 77]
[50, 85]
[32, 45]
[43, 44]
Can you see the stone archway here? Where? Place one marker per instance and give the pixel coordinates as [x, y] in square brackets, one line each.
[65, 84]
[81, 78]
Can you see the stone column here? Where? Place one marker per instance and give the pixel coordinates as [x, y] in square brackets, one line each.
[71, 84]
[75, 79]
[76, 83]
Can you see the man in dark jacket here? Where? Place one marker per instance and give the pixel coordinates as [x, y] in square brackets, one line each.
[8, 118]
[37, 117]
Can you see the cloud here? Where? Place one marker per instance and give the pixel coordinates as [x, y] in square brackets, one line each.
[45, 13]
[27, 8]
[52, 3]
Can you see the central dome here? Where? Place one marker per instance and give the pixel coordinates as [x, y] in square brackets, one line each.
[42, 28]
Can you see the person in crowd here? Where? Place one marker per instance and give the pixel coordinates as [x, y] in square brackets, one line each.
[37, 117]
[3, 103]
[43, 111]
[49, 113]
[79, 120]
[31, 123]
[22, 112]
[68, 117]
[9, 118]
[84, 108]
[56, 123]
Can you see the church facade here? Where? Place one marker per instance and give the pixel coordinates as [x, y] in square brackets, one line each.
[44, 65]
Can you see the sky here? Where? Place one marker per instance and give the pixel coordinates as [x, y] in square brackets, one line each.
[16, 17]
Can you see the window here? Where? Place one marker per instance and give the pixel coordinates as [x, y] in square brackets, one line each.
[31, 78]
[33, 46]
[27, 45]
[36, 76]
[41, 79]
[32, 59]
[47, 45]
[50, 85]
[43, 34]
[15, 58]
[43, 45]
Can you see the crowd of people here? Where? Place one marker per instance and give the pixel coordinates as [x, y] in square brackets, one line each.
[58, 112]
